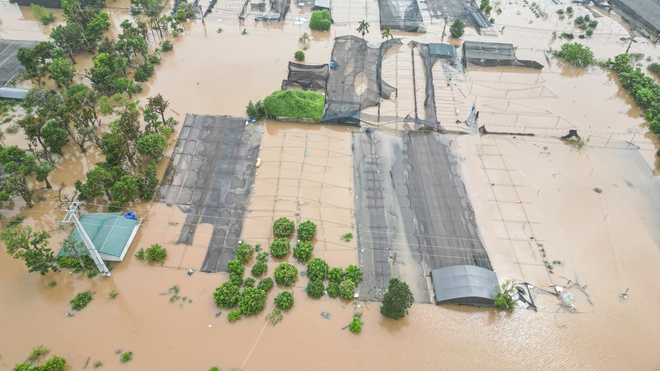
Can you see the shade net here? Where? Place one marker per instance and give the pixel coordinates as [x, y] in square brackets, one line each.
[307, 77]
[401, 15]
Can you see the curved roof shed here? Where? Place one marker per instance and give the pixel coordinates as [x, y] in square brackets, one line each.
[464, 284]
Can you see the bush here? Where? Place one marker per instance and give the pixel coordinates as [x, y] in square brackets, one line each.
[306, 231]
[315, 288]
[236, 278]
[280, 247]
[347, 289]
[505, 296]
[255, 111]
[234, 315]
[284, 301]
[356, 324]
[235, 266]
[347, 237]
[249, 282]
[576, 54]
[113, 294]
[155, 253]
[154, 59]
[259, 268]
[654, 68]
[354, 274]
[126, 357]
[317, 269]
[336, 275]
[252, 301]
[320, 20]
[44, 16]
[166, 46]
[299, 56]
[226, 296]
[295, 104]
[457, 29]
[244, 252]
[262, 256]
[265, 284]
[333, 289]
[285, 274]
[81, 300]
[589, 32]
[303, 251]
[283, 228]
[144, 72]
[397, 300]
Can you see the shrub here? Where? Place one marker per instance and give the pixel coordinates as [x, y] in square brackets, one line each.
[226, 296]
[354, 274]
[113, 294]
[285, 274]
[283, 227]
[19, 219]
[144, 72]
[284, 301]
[347, 289]
[306, 230]
[236, 278]
[336, 275]
[235, 266]
[295, 103]
[155, 253]
[654, 68]
[154, 59]
[81, 300]
[333, 289]
[166, 46]
[457, 29]
[140, 255]
[44, 16]
[320, 20]
[274, 317]
[576, 54]
[244, 252]
[249, 282]
[347, 237]
[126, 357]
[262, 257]
[255, 111]
[234, 315]
[259, 268]
[505, 296]
[589, 32]
[356, 324]
[252, 301]
[315, 288]
[397, 300]
[299, 55]
[303, 251]
[280, 247]
[317, 269]
[265, 284]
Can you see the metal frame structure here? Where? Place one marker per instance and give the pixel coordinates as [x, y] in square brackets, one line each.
[93, 253]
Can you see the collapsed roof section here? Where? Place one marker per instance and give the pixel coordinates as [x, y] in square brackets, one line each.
[402, 15]
[307, 77]
[493, 54]
[464, 285]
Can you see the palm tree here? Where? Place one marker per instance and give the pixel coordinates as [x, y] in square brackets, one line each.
[304, 38]
[363, 28]
[386, 33]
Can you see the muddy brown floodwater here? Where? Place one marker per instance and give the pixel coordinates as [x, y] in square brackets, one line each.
[528, 193]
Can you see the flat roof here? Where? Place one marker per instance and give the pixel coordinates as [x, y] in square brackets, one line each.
[464, 284]
[9, 64]
[111, 234]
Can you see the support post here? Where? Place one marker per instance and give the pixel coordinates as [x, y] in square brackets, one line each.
[93, 253]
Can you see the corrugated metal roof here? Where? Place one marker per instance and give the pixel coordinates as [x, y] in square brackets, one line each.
[464, 284]
[110, 233]
[13, 93]
[321, 4]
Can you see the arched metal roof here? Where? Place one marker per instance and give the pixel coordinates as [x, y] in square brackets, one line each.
[464, 284]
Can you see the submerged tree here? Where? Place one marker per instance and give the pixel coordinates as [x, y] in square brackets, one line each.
[457, 29]
[363, 27]
[30, 246]
[397, 300]
[505, 296]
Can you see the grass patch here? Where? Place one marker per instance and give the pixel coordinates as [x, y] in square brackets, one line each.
[295, 103]
[574, 143]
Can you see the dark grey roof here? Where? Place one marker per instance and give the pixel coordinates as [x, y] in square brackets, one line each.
[9, 64]
[442, 50]
[464, 284]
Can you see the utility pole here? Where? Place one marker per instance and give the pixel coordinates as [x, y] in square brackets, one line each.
[93, 253]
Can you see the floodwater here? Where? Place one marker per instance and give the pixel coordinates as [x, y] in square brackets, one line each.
[525, 191]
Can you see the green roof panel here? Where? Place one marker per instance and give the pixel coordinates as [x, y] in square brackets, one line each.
[108, 231]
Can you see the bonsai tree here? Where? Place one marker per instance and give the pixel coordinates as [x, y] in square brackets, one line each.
[280, 247]
[285, 274]
[457, 29]
[283, 227]
[317, 269]
[306, 231]
[397, 300]
[284, 301]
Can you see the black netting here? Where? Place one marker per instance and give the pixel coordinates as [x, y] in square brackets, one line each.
[307, 77]
[401, 15]
[453, 9]
[429, 117]
[265, 10]
[355, 81]
[494, 54]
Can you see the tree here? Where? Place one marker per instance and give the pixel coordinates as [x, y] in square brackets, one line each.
[303, 251]
[320, 20]
[363, 28]
[387, 35]
[158, 104]
[226, 296]
[69, 38]
[44, 16]
[317, 269]
[397, 300]
[152, 146]
[244, 252]
[347, 289]
[356, 324]
[304, 38]
[285, 274]
[280, 247]
[284, 301]
[354, 274]
[505, 296]
[576, 54]
[124, 190]
[99, 181]
[252, 301]
[315, 288]
[80, 113]
[457, 29]
[19, 167]
[299, 55]
[336, 275]
[24, 243]
[307, 230]
[62, 72]
[36, 61]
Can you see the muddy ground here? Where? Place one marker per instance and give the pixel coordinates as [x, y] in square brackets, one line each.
[527, 194]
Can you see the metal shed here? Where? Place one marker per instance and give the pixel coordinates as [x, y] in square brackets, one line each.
[13, 93]
[464, 285]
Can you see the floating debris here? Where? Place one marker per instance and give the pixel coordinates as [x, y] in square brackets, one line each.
[218, 314]
[325, 315]
[624, 296]
[68, 314]
[598, 190]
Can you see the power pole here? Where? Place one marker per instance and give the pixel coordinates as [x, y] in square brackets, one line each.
[93, 253]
